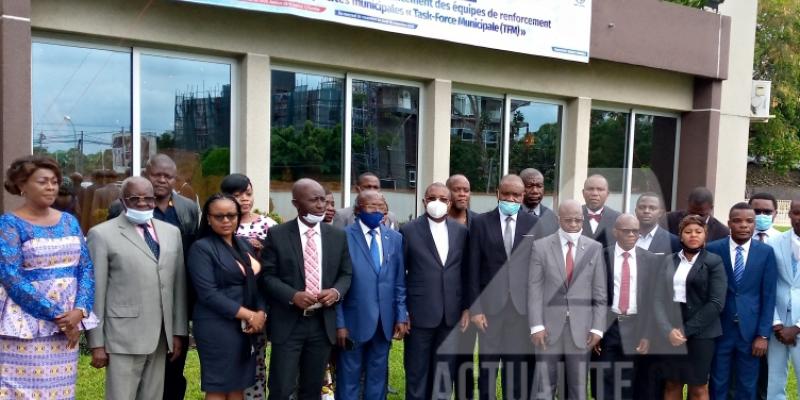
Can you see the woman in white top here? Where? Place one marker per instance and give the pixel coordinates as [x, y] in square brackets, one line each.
[690, 299]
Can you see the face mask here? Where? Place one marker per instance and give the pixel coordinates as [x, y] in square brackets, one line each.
[763, 222]
[571, 236]
[313, 219]
[508, 207]
[138, 217]
[436, 209]
[371, 220]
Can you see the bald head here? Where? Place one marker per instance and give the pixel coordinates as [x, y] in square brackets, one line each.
[137, 194]
[534, 187]
[530, 173]
[595, 192]
[308, 197]
[626, 231]
[570, 216]
[458, 185]
[133, 183]
[161, 171]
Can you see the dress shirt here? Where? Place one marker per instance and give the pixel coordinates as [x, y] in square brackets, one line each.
[645, 240]
[592, 222]
[368, 237]
[440, 238]
[503, 224]
[150, 228]
[318, 241]
[618, 260]
[745, 252]
[679, 279]
[537, 211]
[769, 234]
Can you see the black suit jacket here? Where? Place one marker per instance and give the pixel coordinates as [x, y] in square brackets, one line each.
[706, 288]
[491, 274]
[605, 229]
[664, 242]
[284, 275]
[434, 289]
[716, 229]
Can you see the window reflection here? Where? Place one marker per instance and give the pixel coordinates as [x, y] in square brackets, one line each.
[653, 171]
[476, 126]
[535, 141]
[81, 114]
[306, 137]
[186, 114]
[607, 151]
[385, 127]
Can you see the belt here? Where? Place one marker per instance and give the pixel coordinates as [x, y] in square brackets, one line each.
[310, 312]
[623, 317]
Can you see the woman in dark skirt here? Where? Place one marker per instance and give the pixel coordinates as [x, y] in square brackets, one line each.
[229, 313]
[691, 297]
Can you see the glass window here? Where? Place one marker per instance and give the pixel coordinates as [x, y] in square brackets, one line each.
[607, 152]
[186, 114]
[653, 171]
[81, 114]
[385, 127]
[535, 142]
[476, 126]
[306, 137]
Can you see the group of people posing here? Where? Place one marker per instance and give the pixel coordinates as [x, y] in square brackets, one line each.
[568, 303]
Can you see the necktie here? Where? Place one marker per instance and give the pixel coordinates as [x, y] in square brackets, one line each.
[532, 211]
[762, 236]
[311, 264]
[570, 262]
[738, 265]
[595, 217]
[625, 285]
[374, 251]
[508, 236]
[151, 242]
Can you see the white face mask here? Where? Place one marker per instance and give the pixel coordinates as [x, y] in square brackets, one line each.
[313, 219]
[138, 217]
[436, 209]
[570, 236]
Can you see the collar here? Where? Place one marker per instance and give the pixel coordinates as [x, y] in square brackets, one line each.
[564, 237]
[304, 228]
[365, 229]
[733, 245]
[433, 223]
[598, 212]
[503, 216]
[684, 259]
[619, 250]
[795, 237]
[651, 234]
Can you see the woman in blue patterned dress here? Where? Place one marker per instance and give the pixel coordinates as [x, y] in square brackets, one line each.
[46, 287]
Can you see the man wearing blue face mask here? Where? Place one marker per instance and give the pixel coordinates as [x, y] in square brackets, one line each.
[497, 291]
[374, 310]
[765, 206]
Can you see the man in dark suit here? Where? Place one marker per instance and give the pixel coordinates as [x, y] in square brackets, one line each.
[374, 310]
[653, 237]
[499, 261]
[701, 202]
[631, 274]
[302, 281]
[598, 218]
[532, 202]
[434, 250]
[749, 306]
[460, 193]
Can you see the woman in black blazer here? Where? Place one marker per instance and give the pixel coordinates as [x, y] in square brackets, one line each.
[691, 297]
[229, 313]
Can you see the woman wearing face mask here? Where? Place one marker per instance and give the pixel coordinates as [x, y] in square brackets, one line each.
[229, 314]
[47, 286]
[690, 299]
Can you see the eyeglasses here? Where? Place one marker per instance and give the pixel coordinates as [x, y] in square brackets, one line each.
[763, 211]
[443, 199]
[222, 217]
[139, 199]
[571, 220]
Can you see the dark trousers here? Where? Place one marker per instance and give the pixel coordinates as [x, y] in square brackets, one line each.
[429, 358]
[616, 372]
[465, 364]
[506, 342]
[300, 361]
[174, 381]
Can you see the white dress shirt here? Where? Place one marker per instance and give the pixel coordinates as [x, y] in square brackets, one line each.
[618, 260]
[645, 240]
[768, 234]
[368, 237]
[440, 238]
[679, 279]
[593, 223]
[503, 224]
[745, 252]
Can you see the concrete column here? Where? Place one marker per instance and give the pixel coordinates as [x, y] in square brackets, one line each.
[434, 148]
[253, 138]
[575, 149]
[15, 87]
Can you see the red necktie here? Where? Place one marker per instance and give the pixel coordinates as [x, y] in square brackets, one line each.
[595, 217]
[570, 263]
[625, 285]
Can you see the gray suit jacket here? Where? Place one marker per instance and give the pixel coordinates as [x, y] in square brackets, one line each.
[550, 298]
[344, 217]
[135, 294]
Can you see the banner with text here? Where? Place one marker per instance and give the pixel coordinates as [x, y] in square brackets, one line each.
[549, 28]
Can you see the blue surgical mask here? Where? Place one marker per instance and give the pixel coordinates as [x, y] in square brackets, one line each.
[138, 217]
[763, 222]
[508, 207]
[371, 220]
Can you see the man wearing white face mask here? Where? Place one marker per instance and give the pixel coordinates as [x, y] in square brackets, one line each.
[140, 296]
[434, 249]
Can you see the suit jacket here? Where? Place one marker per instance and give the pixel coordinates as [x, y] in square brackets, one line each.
[135, 294]
[495, 279]
[435, 287]
[284, 275]
[344, 217]
[752, 301]
[706, 287]
[374, 296]
[716, 230]
[548, 221]
[605, 228]
[787, 301]
[551, 297]
[664, 242]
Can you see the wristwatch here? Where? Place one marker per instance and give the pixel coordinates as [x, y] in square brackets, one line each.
[83, 312]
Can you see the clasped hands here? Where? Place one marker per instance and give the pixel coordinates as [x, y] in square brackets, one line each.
[786, 334]
[304, 300]
[68, 323]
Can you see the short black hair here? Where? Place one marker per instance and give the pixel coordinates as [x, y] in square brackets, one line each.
[701, 195]
[740, 206]
[650, 194]
[764, 196]
[234, 183]
[364, 175]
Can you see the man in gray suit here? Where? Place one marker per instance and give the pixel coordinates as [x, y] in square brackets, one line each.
[566, 303]
[140, 296]
[366, 181]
